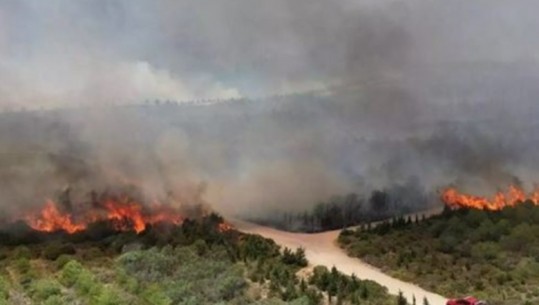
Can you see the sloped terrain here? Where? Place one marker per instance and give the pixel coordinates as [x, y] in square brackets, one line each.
[490, 254]
[197, 262]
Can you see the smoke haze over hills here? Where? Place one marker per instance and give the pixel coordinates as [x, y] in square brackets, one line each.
[429, 91]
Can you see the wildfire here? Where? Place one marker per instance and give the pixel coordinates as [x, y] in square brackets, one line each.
[123, 214]
[224, 227]
[511, 197]
[50, 219]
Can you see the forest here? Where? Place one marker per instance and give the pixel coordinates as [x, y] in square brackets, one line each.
[352, 209]
[194, 263]
[493, 255]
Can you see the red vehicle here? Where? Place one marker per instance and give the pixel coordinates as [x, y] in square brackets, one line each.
[466, 301]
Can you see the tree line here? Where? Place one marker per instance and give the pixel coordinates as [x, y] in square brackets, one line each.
[352, 209]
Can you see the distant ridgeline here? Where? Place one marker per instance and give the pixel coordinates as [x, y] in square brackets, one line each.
[163, 102]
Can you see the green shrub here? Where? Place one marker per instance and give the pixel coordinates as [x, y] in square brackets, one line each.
[23, 265]
[22, 252]
[201, 247]
[294, 258]
[150, 265]
[230, 287]
[154, 295]
[485, 251]
[92, 254]
[4, 289]
[257, 247]
[62, 260]
[43, 289]
[70, 273]
[109, 296]
[128, 283]
[86, 283]
[55, 300]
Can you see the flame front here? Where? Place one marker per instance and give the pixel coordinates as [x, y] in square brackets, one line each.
[50, 219]
[123, 214]
[511, 197]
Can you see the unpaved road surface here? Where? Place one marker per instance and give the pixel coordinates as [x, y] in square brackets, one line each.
[321, 249]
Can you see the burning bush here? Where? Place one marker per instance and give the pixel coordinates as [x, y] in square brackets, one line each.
[512, 196]
[123, 213]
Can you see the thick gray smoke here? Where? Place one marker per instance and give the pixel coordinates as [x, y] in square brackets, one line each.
[439, 92]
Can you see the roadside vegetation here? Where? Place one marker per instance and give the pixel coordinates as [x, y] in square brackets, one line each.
[195, 263]
[491, 255]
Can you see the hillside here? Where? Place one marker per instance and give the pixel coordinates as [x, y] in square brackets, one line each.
[322, 249]
[490, 254]
[197, 262]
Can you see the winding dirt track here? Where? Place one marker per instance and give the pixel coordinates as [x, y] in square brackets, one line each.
[321, 249]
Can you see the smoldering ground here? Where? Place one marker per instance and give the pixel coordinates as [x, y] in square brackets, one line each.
[438, 92]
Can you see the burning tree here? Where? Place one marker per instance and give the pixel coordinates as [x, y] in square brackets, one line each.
[123, 213]
[511, 197]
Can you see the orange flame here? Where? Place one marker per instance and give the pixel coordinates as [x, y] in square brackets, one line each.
[50, 219]
[224, 227]
[125, 215]
[511, 197]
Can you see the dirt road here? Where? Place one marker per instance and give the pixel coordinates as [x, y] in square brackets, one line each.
[321, 249]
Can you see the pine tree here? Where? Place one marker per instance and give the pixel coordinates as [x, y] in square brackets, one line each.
[401, 300]
[340, 297]
[332, 289]
[354, 299]
[364, 292]
[303, 285]
[425, 301]
[354, 283]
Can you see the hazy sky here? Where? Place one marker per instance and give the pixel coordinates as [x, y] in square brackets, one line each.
[61, 52]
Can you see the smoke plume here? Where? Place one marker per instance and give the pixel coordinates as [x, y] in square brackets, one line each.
[357, 96]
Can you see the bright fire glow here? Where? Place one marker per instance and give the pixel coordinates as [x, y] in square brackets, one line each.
[123, 214]
[224, 227]
[50, 219]
[511, 197]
